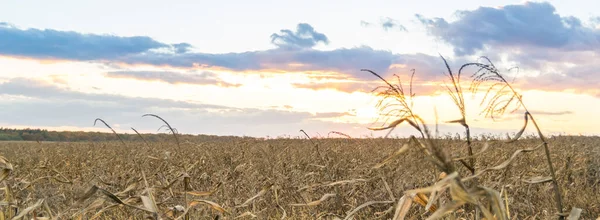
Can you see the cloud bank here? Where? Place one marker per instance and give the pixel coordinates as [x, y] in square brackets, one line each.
[72, 45]
[531, 24]
[562, 49]
[294, 52]
[41, 103]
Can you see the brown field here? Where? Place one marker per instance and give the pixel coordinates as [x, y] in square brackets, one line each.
[241, 178]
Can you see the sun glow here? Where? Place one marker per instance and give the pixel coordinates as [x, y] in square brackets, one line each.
[368, 112]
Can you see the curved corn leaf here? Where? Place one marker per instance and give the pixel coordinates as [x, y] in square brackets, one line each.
[29, 209]
[196, 202]
[205, 193]
[259, 194]
[317, 202]
[173, 131]
[246, 214]
[485, 147]
[113, 130]
[351, 213]
[538, 179]
[518, 135]
[503, 164]
[99, 213]
[391, 157]
[402, 208]
[213, 205]
[461, 121]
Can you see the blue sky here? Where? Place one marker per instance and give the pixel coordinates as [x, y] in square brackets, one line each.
[273, 67]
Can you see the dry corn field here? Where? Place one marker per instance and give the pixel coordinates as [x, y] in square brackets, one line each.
[244, 178]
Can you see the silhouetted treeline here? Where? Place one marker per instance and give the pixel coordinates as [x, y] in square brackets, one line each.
[27, 134]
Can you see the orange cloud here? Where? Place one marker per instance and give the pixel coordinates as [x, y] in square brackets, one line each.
[48, 60]
[204, 78]
[367, 87]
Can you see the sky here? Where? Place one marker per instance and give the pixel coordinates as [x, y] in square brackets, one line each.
[270, 68]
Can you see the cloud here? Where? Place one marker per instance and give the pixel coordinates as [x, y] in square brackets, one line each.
[294, 54]
[387, 24]
[551, 113]
[343, 60]
[583, 78]
[49, 43]
[547, 115]
[28, 102]
[430, 74]
[42, 90]
[367, 87]
[542, 112]
[32, 103]
[182, 47]
[346, 61]
[204, 78]
[304, 37]
[557, 53]
[390, 24]
[331, 114]
[348, 87]
[533, 24]
[297, 55]
[365, 23]
[550, 70]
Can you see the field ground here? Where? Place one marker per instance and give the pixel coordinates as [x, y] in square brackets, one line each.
[272, 178]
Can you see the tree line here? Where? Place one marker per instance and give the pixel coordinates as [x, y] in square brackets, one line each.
[29, 134]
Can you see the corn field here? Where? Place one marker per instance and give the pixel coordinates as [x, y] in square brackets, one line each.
[235, 178]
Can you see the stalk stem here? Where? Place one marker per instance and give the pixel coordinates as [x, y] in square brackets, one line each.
[557, 192]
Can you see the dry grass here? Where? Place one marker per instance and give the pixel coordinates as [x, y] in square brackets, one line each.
[271, 179]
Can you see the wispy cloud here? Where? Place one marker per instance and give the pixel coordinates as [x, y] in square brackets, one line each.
[595, 20]
[391, 24]
[386, 23]
[41, 90]
[43, 104]
[368, 87]
[547, 115]
[365, 23]
[544, 112]
[204, 78]
[332, 114]
[348, 87]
